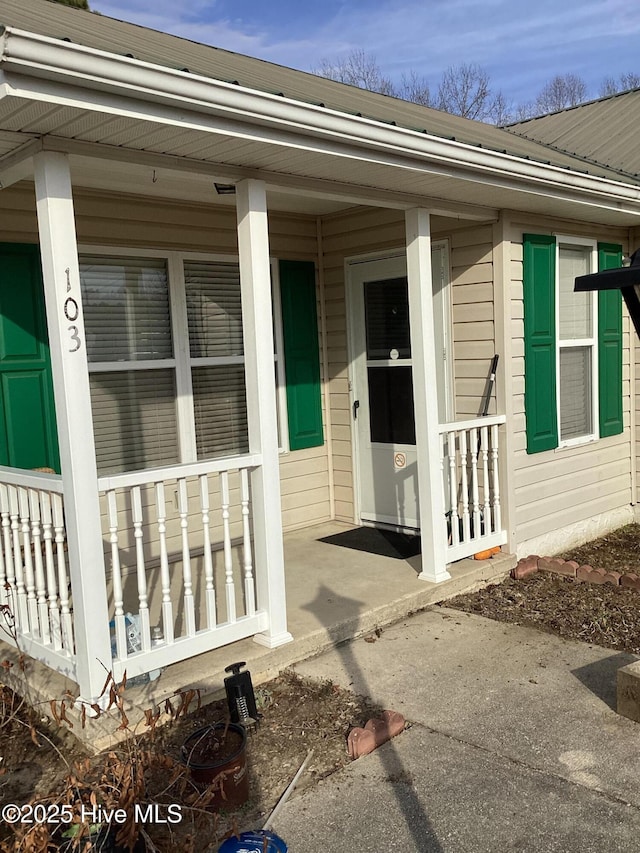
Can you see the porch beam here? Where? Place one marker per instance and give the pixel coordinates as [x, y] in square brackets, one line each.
[18, 165]
[425, 396]
[317, 187]
[65, 323]
[257, 327]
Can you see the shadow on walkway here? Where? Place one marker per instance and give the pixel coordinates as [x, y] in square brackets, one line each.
[397, 776]
[601, 677]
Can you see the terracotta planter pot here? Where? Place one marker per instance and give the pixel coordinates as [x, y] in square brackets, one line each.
[211, 755]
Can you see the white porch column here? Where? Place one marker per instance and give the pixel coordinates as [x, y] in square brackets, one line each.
[425, 396]
[257, 325]
[65, 323]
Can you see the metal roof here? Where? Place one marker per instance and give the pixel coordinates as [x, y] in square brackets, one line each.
[124, 39]
[602, 133]
[171, 116]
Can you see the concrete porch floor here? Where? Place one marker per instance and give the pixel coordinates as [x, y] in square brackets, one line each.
[333, 594]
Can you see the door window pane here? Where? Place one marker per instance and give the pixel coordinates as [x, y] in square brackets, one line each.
[391, 405]
[386, 305]
[575, 401]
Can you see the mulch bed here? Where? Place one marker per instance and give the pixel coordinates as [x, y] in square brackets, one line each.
[297, 714]
[603, 614]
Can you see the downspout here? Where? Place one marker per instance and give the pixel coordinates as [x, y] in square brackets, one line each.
[325, 368]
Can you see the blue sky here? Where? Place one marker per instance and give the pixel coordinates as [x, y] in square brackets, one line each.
[521, 45]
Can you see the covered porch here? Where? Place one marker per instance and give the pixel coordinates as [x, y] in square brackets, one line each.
[333, 594]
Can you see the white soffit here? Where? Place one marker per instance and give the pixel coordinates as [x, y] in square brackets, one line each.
[282, 140]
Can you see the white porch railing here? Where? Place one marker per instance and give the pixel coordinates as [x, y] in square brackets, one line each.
[180, 553]
[34, 577]
[471, 483]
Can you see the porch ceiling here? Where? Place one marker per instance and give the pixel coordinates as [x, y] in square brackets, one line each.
[312, 160]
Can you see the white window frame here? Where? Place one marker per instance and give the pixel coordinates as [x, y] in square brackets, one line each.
[182, 361]
[565, 241]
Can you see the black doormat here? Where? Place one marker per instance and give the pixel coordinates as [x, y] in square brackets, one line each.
[385, 543]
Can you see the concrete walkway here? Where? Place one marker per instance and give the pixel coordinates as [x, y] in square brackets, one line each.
[513, 745]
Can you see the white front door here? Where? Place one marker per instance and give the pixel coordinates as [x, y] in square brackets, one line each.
[382, 384]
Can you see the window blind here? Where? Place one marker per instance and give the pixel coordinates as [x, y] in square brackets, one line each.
[214, 309]
[126, 308]
[575, 309]
[576, 396]
[127, 319]
[220, 409]
[134, 419]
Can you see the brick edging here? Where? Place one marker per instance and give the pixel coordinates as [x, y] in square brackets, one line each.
[569, 568]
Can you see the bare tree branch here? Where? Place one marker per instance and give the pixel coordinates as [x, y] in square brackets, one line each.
[357, 69]
[415, 89]
[613, 85]
[560, 92]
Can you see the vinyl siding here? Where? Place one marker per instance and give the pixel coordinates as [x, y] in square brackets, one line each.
[570, 490]
[113, 220]
[634, 243]
[473, 318]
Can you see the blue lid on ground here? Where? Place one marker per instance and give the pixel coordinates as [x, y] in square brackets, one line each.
[253, 842]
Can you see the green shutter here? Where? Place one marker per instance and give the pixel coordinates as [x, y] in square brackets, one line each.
[301, 353]
[539, 261]
[28, 436]
[609, 346]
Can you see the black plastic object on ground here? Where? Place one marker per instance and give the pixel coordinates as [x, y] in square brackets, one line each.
[240, 696]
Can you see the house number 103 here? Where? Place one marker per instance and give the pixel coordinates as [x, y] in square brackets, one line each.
[71, 312]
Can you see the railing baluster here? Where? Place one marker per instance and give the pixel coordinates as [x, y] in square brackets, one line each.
[5, 558]
[228, 558]
[497, 515]
[464, 461]
[116, 577]
[484, 438]
[50, 566]
[63, 581]
[443, 480]
[41, 589]
[249, 582]
[165, 576]
[189, 607]
[453, 489]
[210, 593]
[141, 572]
[9, 565]
[475, 491]
[22, 615]
[30, 580]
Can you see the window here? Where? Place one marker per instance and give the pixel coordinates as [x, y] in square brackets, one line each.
[166, 358]
[152, 407]
[132, 370]
[214, 319]
[577, 344]
[573, 344]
